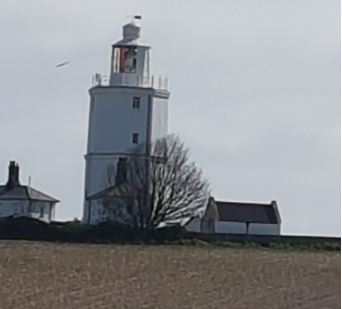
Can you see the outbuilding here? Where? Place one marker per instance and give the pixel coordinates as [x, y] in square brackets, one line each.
[237, 218]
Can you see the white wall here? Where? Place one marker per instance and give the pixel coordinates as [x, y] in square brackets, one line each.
[241, 228]
[194, 225]
[264, 229]
[24, 208]
[36, 211]
[237, 228]
[53, 212]
[95, 212]
[105, 143]
[159, 118]
[230, 227]
[112, 121]
[98, 213]
[220, 227]
[97, 172]
[10, 208]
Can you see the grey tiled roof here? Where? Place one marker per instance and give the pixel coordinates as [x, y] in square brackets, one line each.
[248, 212]
[25, 193]
[112, 191]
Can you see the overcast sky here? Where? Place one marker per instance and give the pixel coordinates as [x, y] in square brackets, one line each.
[255, 94]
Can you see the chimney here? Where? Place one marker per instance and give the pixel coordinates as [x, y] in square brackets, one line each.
[121, 171]
[13, 175]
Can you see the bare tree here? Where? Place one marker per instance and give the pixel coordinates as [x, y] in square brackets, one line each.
[161, 187]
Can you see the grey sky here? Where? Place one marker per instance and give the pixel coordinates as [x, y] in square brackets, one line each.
[255, 94]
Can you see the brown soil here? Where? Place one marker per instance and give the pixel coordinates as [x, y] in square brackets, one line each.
[45, 275]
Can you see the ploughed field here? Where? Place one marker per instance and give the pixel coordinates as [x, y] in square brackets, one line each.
[48, 275]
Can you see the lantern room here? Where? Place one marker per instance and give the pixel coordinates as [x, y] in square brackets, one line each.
[130, 60]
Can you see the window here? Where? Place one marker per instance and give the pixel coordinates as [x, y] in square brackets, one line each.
[125, 59]
[41, 212]
[136, 103]
[135, 138]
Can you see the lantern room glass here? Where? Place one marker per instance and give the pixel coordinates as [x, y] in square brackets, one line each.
[125, 59]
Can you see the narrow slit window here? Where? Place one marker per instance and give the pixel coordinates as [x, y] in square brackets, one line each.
[136, 102]
[41, 211]
[135, 138]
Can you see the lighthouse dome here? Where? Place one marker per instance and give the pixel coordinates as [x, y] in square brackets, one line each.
[130, 34]
[131, 31]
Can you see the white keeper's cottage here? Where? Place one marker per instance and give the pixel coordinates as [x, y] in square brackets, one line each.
[129, 109]
[18, 200]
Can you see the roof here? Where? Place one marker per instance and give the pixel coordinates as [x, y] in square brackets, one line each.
[24, 193]
[248, 212]
[131, 35]
[211, 211]
[112, 191]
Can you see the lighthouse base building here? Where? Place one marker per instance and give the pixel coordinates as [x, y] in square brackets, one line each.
[131, 110]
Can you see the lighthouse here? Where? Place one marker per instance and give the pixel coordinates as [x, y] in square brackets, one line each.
[128, 109]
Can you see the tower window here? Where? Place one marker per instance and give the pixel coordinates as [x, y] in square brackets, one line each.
[125, 59]
[136, 103]
[135, 138]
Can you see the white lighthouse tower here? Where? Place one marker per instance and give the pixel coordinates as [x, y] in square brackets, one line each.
[128, 110]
